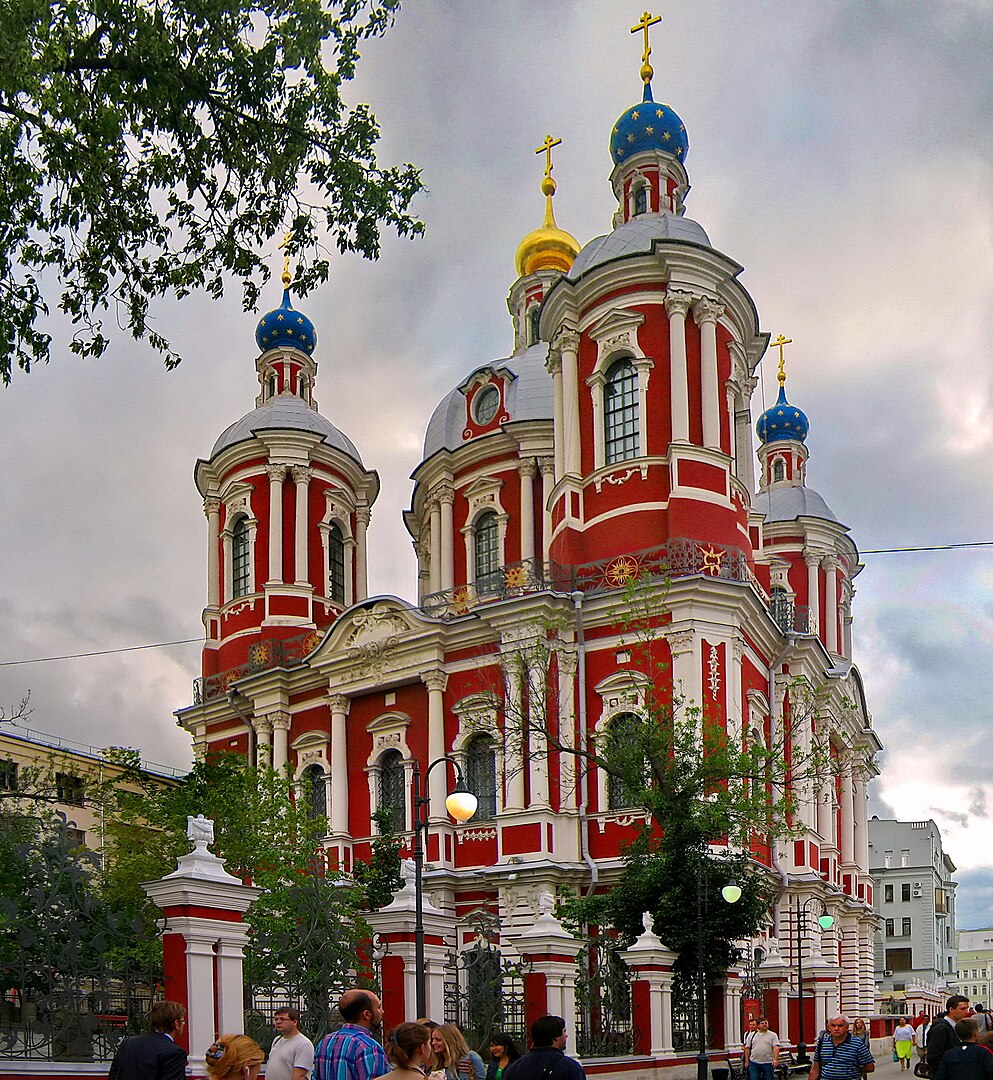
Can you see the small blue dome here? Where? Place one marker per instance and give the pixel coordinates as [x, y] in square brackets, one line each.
[648, 126]
[783, 421]
[286, 326]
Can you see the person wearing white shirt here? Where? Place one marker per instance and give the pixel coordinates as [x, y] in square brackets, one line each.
[292, 1054]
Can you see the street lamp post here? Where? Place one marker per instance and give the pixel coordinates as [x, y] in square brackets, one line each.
[825, 921]
[731, 893]
[461, 804]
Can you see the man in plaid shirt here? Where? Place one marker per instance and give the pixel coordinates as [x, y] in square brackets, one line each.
[351, 1052]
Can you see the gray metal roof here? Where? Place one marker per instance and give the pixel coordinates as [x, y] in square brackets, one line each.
[789, 503]
[285, 413]
[637, 237]
[529, 397]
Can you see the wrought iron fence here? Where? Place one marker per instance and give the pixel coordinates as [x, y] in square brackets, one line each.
[484, 987]
[604, 1022]
[76, 977]
[685, 1026]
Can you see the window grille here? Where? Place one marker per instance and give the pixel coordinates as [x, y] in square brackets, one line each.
[240, 559]
[487, 545]
[620, 400]
[480, 776]
[336, 565]
[391, 787]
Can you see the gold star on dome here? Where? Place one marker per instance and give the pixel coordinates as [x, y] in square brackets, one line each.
[279, 318]
[666, 135]
[620, 152]
[289, 332]
[779, 412]
[616, 129]
[660, 113]
[649, 129]
[300, 320]
[681, 128]
[634, 115]
[679, 151]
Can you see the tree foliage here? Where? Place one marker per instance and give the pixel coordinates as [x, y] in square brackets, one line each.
[152, 149]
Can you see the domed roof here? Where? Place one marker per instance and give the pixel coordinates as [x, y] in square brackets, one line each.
[783, 421]
[648, 126]
[528, 397]
[547, 248]
[286, 326]
[787, 503]
[636, 237]
[285, 413]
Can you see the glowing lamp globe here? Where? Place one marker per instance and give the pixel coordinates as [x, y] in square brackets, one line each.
[731, 893]
[461, 803]
[826, 921]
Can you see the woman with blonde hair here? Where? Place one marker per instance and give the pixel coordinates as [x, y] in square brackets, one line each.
[452, 1054]
[409, 1049]
[860, 1031]
[234, 1057]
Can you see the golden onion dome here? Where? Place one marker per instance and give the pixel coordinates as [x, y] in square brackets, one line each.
[547, 248]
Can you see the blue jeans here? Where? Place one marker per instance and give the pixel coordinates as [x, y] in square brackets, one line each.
[761, 1070]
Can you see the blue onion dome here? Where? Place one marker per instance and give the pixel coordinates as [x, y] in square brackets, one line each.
[783, 421]
[286, 326]
[648, 126]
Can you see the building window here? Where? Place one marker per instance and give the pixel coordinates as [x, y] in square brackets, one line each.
[480, 775]
[69, 788]
[391, 787]
[888, 894]
[905, 928]
[887, 859]
[900, 959]
[905, 857]
[534, 318]
[640, 202]
[314, 789]
[336, 565]
[303, 386]
[620, 736]
[778, 469]
[76, 837]
[620, 408]
[240, 559]
[273, 385]
[905, 891]
[487, 551]
[485, 404]
[889, 928]
[8, 776]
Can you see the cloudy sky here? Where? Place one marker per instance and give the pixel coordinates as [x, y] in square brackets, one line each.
[840, 151]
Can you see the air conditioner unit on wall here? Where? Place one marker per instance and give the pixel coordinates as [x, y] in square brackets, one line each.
[918, 884]
[917, 892]
[887, 973]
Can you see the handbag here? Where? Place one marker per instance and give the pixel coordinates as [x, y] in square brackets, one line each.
[921, 1069]
[896, 1056]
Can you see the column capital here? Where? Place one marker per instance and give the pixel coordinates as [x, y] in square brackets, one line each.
[680, 641]
[263, 724]
[568, 660]
[553, 362]
[677, 302]
[276, 473]
[566, 339]
[812, 557]
[444, 494]
[301, 474]
[435, 680]
[211, 505]
[278, 721]
[527, 467]
[363, 515]
[707, 309]
[830, 562]
[339, 703]
[547, 466]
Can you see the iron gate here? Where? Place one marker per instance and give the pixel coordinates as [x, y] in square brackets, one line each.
[604, 1024]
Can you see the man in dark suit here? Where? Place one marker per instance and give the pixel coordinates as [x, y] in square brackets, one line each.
[154, 1055]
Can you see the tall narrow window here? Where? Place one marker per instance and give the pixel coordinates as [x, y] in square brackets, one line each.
[315, 792]
[622, 752]
[487, 547]
[640, 200]
[336, 565]
[391, 787]
[778, 469]
[620, 408]
[240, 561]
[273, 385]
[534, 319]
[480, 776]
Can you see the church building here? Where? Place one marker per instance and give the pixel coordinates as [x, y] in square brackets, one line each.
[617, 443]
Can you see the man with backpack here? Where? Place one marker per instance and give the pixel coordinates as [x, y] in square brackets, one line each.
[941, 1037]
[546, 1060]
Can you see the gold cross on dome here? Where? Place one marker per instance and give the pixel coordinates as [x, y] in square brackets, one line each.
[647, 20]
[781, 343]
[546, 149]
[284, 246]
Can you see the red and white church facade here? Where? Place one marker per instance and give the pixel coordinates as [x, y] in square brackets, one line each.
[616, 440]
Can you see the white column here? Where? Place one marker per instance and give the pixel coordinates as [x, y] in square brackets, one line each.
[553, 365]
[825, 815]
[567, 341]
[301, 478]
[513, 765]
[547, 466]
[861, 794]
[363, 515]
[527, 470]
[231, 980]
[200, 989]
[568, 772]
[676, 305]
[831, 604]
[276, 474]
[212, 509]
[338, 756]
[263, 742]
[446, 496]
[847, 839]
[813, 592]
[435, 565]
[706, 312]
[280, 732]
[537, 734]
[436, 681]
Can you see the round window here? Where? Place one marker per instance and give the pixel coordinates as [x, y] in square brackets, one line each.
[485, 404]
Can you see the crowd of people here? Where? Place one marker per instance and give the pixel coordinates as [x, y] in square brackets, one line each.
[423, 1050]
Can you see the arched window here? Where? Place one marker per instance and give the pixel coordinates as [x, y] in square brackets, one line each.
[336, 565]
[487, 548]
[314, 791]
[273, 384]
[778, 469]
[240, 559]
[303, 386]
[622, 751]
[620, 409]
[480, 775]
[534, 318]
[392, 784]
[782, 609]
[640, 201]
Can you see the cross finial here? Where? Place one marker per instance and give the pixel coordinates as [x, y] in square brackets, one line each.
[781, 343]
[647, 20]
[548, 184]
[285, 248]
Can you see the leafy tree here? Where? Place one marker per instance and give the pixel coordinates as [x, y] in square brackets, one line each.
[150, 149]
[380, 877]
